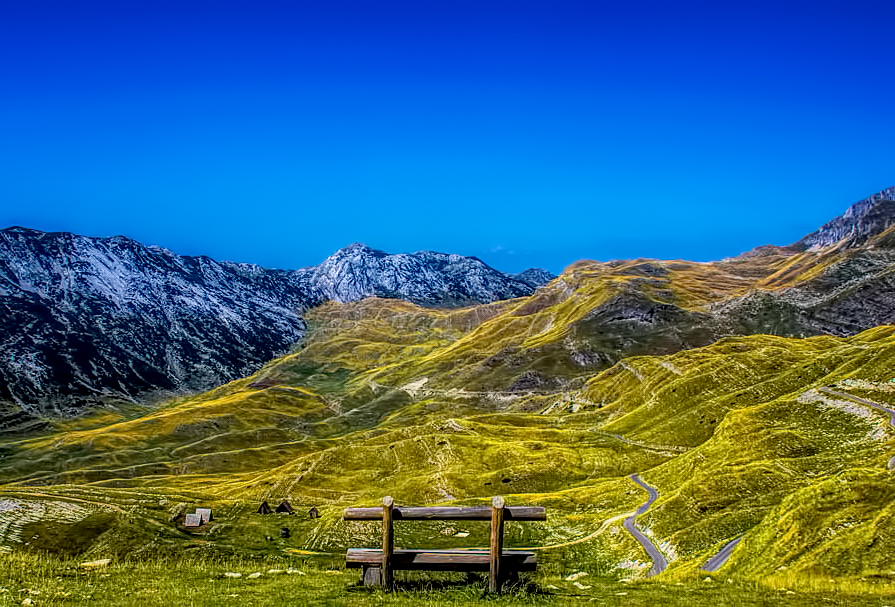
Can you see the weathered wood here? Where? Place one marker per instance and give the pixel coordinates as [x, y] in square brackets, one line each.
[473, 513]
[497, 512]
[388, 541]
[441, 560]
[372, 575]
[379, 565]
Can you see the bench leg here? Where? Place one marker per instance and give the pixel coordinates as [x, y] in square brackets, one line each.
[372, 576]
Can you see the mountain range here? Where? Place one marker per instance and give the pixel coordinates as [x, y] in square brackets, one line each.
[86, 319]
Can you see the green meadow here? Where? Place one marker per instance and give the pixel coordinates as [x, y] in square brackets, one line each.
[740, 438]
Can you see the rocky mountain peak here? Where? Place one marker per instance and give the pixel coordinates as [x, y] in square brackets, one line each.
[863, 220]
[426, 278]
[357, 249]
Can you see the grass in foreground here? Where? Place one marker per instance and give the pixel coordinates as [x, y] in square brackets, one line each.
[44, 580]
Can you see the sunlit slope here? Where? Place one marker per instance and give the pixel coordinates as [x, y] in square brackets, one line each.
[210, 432]
[596, 314]
[729, 434]
[682, 397]
[568, 329]
[842, 525]
[759, 429]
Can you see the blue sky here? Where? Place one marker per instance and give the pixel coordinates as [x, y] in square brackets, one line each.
[525, 133]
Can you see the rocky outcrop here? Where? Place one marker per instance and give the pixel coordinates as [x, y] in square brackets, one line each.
[85, 319]
[860, 222]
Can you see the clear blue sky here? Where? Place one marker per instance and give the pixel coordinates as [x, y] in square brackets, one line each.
[525, 133]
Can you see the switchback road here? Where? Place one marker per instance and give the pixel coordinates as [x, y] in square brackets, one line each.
[659, 562]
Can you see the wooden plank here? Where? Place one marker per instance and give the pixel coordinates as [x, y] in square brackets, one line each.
[371, 576]
[442, 560]
[474, 513]
[388, 541]
[497, 511]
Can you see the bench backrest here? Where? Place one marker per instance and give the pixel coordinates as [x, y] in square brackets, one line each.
[474, 513]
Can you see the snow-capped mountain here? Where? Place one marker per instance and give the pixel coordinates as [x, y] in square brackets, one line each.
[426, 278]
[87, 318]
[84, 319]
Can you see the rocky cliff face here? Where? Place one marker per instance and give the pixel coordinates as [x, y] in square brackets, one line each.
[86, 319]
[861, 221]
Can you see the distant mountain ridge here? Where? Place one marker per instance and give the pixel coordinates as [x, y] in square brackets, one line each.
[426, 278]
[86, 319]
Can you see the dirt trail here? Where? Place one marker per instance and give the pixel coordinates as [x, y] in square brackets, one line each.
[585, 538]
[659, 562]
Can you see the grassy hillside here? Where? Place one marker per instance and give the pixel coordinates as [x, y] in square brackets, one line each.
[736, 436]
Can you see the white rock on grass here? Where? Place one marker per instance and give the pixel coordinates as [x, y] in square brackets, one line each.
[254, 576]
[576, 576]
[232, 574]
[275, 571]
[95, 564]
[580, 586]
[295, 571]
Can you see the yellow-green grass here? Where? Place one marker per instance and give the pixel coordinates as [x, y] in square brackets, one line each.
[52, 581]
[728, 433]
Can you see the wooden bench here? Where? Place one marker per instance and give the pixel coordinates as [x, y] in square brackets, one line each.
[379, 564]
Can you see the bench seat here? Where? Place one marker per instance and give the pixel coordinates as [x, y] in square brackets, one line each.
[441, 560]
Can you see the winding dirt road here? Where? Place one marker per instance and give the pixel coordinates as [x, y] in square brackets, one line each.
[659, 562]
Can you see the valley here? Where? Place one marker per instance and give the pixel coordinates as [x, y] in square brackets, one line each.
[680, 421]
